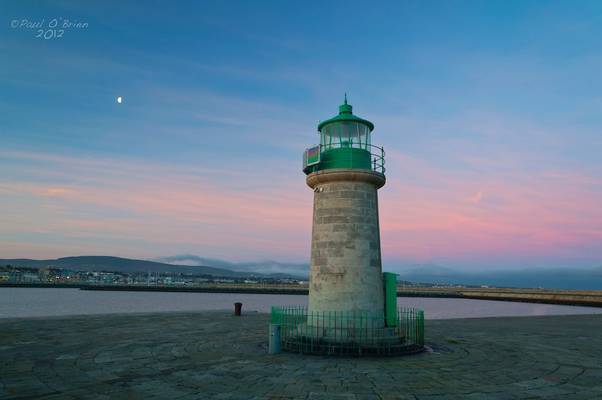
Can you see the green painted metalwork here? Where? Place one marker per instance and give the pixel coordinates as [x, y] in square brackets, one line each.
[390, 285]
[346, 114]
[348, 156]
[349, 333]
[345, 142]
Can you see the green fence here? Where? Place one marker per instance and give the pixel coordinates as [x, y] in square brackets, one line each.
[349, 333]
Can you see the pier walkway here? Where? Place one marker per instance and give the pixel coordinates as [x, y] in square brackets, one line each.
[214, 355]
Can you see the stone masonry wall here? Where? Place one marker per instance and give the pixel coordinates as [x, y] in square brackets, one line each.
[345, 255]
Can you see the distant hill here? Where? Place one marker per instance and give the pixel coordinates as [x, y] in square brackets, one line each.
[557, 278]
[552, 278]
[118, 264]
[273, 268]
[549, 278]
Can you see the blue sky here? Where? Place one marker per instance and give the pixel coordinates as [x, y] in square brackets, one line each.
[489, 113]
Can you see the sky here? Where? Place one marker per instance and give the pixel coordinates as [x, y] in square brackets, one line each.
[489, 113]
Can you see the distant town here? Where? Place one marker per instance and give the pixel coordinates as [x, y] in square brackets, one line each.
[63, 276]
[182, 280]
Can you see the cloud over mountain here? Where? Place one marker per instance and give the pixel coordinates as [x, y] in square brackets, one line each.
[262, 267]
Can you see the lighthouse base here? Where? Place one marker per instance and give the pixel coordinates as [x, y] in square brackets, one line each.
[336, 333]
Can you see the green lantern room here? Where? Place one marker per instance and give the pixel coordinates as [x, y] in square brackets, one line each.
[345, 142]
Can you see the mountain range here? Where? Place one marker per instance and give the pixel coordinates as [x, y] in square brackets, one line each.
[552, 278]
[118, 264]
[261, 267]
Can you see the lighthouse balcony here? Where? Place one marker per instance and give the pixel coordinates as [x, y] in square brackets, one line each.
[352, 155]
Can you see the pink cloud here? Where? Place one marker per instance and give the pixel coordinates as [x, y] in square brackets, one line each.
[149, 204]
[428, 213]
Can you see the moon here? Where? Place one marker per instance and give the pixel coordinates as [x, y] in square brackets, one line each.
[119, 99]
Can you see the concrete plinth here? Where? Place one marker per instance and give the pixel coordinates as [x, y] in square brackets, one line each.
[345, 253]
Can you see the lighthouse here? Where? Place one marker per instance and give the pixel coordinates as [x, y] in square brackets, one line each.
[352, 307]
[345, 172]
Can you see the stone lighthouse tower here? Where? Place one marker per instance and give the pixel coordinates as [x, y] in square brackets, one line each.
[352, 304]
[345, 171]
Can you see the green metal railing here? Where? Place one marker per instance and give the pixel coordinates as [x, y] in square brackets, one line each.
[348, 154]
[349, 333]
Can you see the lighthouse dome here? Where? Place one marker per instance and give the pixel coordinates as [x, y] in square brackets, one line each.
[346, 116]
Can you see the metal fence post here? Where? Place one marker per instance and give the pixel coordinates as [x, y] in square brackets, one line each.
[274, 342]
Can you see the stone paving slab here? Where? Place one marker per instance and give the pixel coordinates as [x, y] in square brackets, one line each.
[214, 355]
